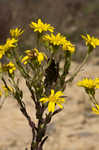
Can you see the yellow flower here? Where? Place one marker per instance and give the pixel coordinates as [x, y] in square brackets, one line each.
[59, 40]
[40, 56]
[67, 45]
[25, 60]
[53, 99]
[10, 43]
[87, 83]
[10, 67]
[29, 56]
[91, 40]
[15, 33]
[32, 54]
[56, 40]
[40, 26]
[96, 110]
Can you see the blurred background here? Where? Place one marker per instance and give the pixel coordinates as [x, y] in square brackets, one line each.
[70, 17]
[76, 128]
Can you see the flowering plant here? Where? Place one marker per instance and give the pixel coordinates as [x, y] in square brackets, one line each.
[43, 75]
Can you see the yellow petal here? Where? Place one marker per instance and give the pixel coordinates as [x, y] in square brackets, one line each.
[95, 110]
[60, 106]
[44, 100]
[51, 107]
[52, 92]
[58, 94]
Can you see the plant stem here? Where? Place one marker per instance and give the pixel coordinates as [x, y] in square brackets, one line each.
[77, 71]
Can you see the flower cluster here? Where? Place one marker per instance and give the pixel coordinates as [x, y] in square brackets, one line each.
[59, 40]
[32, 54]
[55, 40]
[41, 27]
[53, 99]
[10, 42]
[15, 33]
[91, 41]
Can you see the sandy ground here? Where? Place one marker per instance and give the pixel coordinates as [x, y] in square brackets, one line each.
[75, 128]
